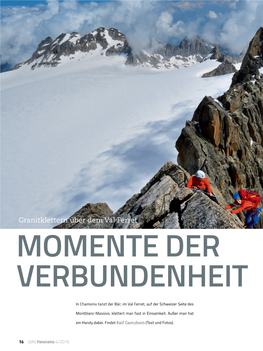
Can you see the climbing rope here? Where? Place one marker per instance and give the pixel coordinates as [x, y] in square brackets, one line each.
[182, 206]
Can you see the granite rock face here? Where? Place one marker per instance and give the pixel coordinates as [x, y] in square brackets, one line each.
[224, 139]
[225, 136]
[252, 61]
[225, 68]
[213, 217]
[163, 203]
[93, 215]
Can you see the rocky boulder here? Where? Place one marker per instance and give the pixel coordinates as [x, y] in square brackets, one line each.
[92, 215]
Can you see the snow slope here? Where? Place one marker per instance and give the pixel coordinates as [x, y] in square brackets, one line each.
[90, 131]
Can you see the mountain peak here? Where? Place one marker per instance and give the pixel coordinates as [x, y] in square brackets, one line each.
[104, 41]
[252, 61]
[108, 42]
[195, 45]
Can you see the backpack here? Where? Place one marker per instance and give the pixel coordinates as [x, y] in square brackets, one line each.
[250, 196]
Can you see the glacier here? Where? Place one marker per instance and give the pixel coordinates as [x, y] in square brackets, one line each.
[90, 130]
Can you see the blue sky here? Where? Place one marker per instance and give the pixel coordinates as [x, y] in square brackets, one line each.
[230, 24]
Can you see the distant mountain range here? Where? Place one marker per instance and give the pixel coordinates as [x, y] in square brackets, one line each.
[108, 42]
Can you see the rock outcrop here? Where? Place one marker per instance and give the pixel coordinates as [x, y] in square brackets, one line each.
[222, 56]
[225, 68]
[225, 136]
[225, 139]
[216, 54]
[159, 205]
[252, 61]
[90, 214]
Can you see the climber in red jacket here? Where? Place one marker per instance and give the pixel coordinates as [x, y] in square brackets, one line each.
[253, 208]
[199, 181]
[243, 204]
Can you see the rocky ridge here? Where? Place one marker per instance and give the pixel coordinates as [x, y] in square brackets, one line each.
[189, 51]
[159, 205]
[221, 56]
[225, 136]
[225, 140]
[225, 68]
[50, 52]
[109, 42]
[252, 61]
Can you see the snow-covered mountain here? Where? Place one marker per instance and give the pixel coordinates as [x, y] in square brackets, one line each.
[188, 53]
[109, 42]
[67, 47]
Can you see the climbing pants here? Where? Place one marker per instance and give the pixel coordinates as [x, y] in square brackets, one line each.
[252, 218]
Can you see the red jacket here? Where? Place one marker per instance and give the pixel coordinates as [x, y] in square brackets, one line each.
[199, 183]
[245, 205]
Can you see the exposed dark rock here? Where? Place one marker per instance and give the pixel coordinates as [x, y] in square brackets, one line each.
[252, 61]
[50, 52]
[89, 216]
[214, 217]
[221, 55]
[227, 145]
[196, 47]
[216, 54]
[171, 221]
[142, 59]
[225, 136]
[187, 47]
[225, 68]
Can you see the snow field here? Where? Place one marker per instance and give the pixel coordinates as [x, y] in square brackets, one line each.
[91, 131]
